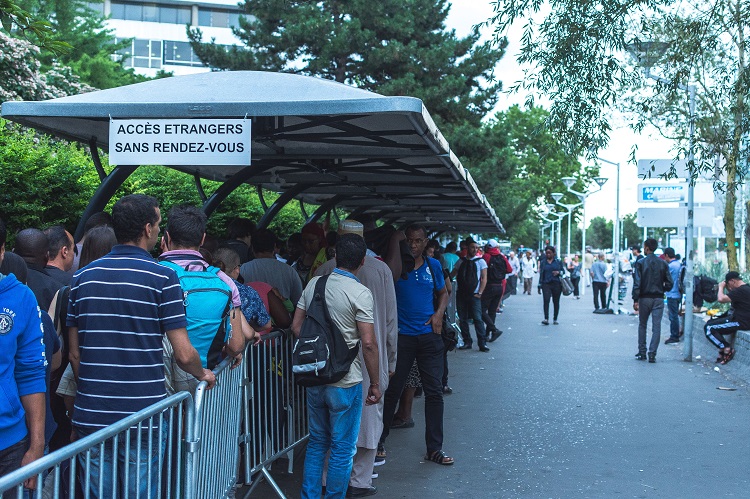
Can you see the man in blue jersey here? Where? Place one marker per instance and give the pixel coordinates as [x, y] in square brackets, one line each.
[420, 326]
[120, 307]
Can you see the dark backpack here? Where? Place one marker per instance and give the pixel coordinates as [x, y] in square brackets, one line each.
[497, 269]
[709, 289]
[466, 277]
[321, 355]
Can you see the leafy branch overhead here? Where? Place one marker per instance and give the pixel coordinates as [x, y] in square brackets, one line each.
[14, 19]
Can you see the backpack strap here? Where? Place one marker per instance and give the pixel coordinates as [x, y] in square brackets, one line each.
[183, 256]
[320, 290]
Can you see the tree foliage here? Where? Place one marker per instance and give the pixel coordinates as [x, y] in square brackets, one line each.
[393, 47]
[36, 29]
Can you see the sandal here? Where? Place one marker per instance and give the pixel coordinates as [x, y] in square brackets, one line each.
[400, 423]
[381, 451]
[439, 457]
[728, 356]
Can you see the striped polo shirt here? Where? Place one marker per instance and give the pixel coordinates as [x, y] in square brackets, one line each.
[122, 304]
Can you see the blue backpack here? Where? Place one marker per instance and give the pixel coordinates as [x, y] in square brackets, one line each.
[207, 301]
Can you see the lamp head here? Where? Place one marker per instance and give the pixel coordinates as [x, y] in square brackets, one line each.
[600, 180]
[581, 197]
[568, 181]
[550, 207]
[557, 196]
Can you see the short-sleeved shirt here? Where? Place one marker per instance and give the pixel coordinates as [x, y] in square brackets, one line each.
[598, 270]
[348, 302]
[122, 304]
[674, 270]
[741, 304]
[450, 261]
[279, 275]
[414, 298]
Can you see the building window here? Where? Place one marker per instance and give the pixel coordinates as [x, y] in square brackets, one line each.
[150, 12]
[142, 53]
[180, 54]
[97, 7]
[218, 18]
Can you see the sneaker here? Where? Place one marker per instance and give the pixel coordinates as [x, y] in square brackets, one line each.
[671, 340]
[545, 322]
[374, 475]
[640, 356]
[495, 335]
[484, 349]
[651, 358]
[447, 390]
[361, 491]
[555, 323]
[465, 346]
[380, 456]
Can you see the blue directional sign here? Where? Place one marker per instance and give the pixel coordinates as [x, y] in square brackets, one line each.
[662, 193]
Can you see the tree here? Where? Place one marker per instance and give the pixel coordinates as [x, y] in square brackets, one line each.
[92, 48]
[393, 47]
[599, 233]
[13, 18]
[576, 55]
[517, 163]
[630, 230]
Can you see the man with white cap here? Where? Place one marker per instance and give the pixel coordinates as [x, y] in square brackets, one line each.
[377, 277]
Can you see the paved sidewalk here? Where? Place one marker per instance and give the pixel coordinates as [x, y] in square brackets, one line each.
[566, 411]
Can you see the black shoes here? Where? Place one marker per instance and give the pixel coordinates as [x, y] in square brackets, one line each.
[652, 358]
[495, 335]
[465, 346]
[640, 356]
[484, 349]
[447, 390]
[361, 491]
[671, 340]
[545, 322]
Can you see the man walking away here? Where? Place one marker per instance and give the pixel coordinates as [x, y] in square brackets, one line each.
[651, 278]
[22, 373]
[61, 254]
[674, 297]
[471, 277]
[599, 281]
[119, 310]
[32, 246]
[497, 270]
[334, 410]
[420, 326]
[733, 290]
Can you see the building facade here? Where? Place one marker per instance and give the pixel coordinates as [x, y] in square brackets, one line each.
[158, 31]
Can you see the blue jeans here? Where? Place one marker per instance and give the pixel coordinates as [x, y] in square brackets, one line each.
[673, 304]
[137, 478]
[333, 415]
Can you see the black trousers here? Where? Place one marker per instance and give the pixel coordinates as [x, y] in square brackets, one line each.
[491, 297]
[576, 281]
[551, 290]
[428, 350]
[600, 290]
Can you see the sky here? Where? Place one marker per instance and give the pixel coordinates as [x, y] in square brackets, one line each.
[466, 13]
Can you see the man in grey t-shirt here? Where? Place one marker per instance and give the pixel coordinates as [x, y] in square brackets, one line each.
[599, 282]
[266, 268]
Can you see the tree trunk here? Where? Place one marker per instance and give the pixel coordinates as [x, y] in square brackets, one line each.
[729, 208]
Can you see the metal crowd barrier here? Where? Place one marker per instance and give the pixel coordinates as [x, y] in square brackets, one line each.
[275, 410]
[134, 432]
[218, 415]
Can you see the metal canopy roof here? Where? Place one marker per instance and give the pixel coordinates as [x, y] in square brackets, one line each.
[316, 140]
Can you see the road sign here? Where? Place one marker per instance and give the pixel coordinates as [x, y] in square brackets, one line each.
[670, 192]
[655, 168]
[703, 216]
[662, 193]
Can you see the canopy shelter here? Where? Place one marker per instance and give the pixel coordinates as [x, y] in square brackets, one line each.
[314, 140]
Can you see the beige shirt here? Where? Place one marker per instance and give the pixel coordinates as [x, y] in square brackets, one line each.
[348, 302]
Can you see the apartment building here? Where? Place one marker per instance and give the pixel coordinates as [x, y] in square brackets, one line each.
[157, 28]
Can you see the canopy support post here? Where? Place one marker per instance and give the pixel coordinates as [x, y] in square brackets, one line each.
[322, 209]
[97, 159]
[230, 185]
[261, 197]
[199, 188]
[103, 194]
[303, 210]
[277, 205]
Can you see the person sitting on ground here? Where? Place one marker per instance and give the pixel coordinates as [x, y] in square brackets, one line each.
[186, 230]
[735, 291]
[266, 268]
[61, 254]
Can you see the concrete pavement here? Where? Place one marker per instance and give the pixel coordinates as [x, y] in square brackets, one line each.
[566, 411]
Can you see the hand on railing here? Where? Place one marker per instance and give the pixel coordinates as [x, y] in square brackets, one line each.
[209, 377]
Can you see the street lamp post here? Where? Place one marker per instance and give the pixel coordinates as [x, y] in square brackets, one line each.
[557, 196]
[615, 238]
[569, 181]
[559, 216]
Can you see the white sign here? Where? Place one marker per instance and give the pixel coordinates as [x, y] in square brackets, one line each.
[179, 142]
[655, 168]
[703, 216]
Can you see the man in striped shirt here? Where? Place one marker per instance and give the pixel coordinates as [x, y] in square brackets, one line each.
[120, 307]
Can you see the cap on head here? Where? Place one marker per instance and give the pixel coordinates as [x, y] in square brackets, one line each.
[492, 243]
[351, 227]
[732, 274]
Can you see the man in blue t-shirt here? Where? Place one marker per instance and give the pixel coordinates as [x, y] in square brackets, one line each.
[420, 326]
[120, 307]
